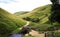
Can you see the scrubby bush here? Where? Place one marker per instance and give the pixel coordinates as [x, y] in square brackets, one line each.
[53, 34]
[36, 20]
[55, 12]
[57, 34]
[27, 18]
[53, 1]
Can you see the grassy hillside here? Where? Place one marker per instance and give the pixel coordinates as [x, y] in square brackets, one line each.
[39, 18]
[42, 13]
[9, 23]
[38, 12]
[21, 13]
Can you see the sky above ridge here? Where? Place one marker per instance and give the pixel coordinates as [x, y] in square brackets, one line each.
[13, 6]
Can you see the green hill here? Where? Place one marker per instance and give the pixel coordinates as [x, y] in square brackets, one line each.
[39, 18]
[42, 14]
[21, 13]
[9, 23]
[38, 12]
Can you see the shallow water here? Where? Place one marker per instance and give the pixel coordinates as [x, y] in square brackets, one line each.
[16, 35]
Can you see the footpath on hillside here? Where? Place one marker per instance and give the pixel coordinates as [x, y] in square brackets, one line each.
[36, 34]
[33, 32]
[25, 25]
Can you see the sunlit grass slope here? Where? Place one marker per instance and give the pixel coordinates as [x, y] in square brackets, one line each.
[38, 12]
[9, 23]
[43, 14]
[21, 13]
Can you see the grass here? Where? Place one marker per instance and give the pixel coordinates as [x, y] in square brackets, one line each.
[9, 23]
[38, 12]
[43, 14]
[55, 33]
[21, 13]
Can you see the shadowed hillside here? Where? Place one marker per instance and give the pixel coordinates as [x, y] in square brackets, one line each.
[9, 23]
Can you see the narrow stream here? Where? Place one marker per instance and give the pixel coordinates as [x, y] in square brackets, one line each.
[16, 35]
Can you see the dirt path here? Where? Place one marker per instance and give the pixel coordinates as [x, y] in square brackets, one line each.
[33, 32]
[25, 24]
[36, 34]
